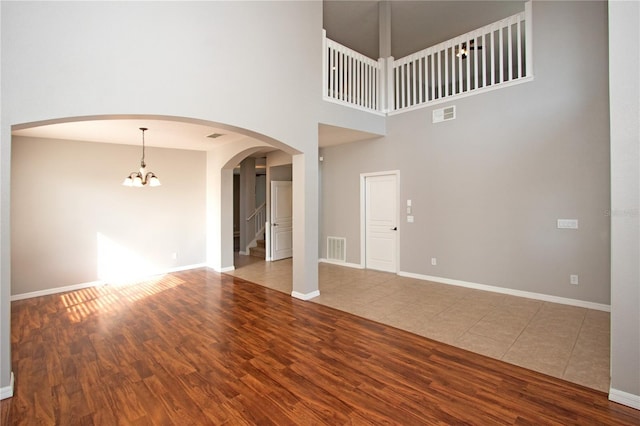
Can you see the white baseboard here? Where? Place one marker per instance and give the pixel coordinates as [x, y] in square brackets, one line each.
[334, 262]
[221, 269]
[307, 296]
[74, 287]
[624, 398]
[183, 268]
[56, 290]
[511, 292]
[7, 391]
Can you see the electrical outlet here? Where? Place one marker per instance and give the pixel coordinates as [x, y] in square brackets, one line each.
[573, 279]
[434, 261]
[567, 224]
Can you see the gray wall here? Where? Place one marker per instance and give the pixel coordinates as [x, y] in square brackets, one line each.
[73, 222]
[236, 203]
[488, 187]
[247, 201]
[261, 189]
[281, 173]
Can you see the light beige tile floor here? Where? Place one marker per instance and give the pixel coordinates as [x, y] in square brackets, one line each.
[563, 341]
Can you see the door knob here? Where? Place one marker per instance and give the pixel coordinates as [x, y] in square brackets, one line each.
[275, 224]
[395, 228]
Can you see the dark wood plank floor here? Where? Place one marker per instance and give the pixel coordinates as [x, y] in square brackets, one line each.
[199, 348]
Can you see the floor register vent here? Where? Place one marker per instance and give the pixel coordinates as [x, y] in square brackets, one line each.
[336, 249]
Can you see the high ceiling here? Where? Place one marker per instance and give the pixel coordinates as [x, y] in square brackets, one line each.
[415, 25]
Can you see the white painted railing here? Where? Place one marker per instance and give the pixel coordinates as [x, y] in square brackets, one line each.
[488, 57]
[256, 222]
[350, 77]
[495, 55]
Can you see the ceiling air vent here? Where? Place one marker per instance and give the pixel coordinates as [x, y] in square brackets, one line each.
[444, 114]
[215, 135]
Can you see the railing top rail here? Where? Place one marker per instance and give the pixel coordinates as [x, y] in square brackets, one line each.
[510, 20]
[344, 49]
[257, 210]
[431, 75]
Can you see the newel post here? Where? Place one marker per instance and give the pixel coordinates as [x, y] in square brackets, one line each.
[385, 91]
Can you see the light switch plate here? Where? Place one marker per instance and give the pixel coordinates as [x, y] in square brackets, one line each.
[410, 219]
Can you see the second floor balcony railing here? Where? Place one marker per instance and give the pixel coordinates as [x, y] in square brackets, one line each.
[494, 56]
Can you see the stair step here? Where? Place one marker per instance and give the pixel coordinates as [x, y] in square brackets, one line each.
[260, 243]
[257, 252]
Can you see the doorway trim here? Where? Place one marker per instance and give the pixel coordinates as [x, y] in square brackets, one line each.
[363, 209]
[273, 207]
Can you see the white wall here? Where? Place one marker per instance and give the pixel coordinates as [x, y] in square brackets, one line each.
[252, 65]
[73, 222]
[190, 59]
[488, 187]
[624, 67]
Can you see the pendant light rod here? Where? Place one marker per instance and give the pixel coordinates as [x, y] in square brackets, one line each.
[144, 129]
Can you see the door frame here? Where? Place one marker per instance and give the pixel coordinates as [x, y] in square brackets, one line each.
[271, 239]
[363, 218]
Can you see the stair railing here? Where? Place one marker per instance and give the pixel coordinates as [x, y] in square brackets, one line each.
[256, 222]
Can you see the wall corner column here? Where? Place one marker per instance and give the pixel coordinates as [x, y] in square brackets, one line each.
[624, 107]
[6, 375]
[219, 214]
[305, 226]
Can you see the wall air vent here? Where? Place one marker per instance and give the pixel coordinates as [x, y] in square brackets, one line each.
[443, 114]
[215, 135]
[336, 249]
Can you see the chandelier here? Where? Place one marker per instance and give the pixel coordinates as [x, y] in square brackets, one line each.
[141, 178]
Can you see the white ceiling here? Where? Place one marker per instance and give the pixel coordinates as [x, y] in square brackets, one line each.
[161, 133]
[164, 133]
[332, 135]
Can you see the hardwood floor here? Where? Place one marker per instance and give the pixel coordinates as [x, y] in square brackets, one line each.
[199, 348]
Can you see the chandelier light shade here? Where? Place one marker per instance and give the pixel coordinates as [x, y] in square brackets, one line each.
[142, 177]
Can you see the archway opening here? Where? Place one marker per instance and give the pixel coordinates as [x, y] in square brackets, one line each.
[67, 199]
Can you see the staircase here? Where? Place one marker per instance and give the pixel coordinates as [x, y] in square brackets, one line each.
[259, 250]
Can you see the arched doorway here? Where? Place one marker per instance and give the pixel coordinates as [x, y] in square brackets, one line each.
[138, 243]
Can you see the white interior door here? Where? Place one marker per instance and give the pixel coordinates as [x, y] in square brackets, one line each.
[381, 222]
[281, 220]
